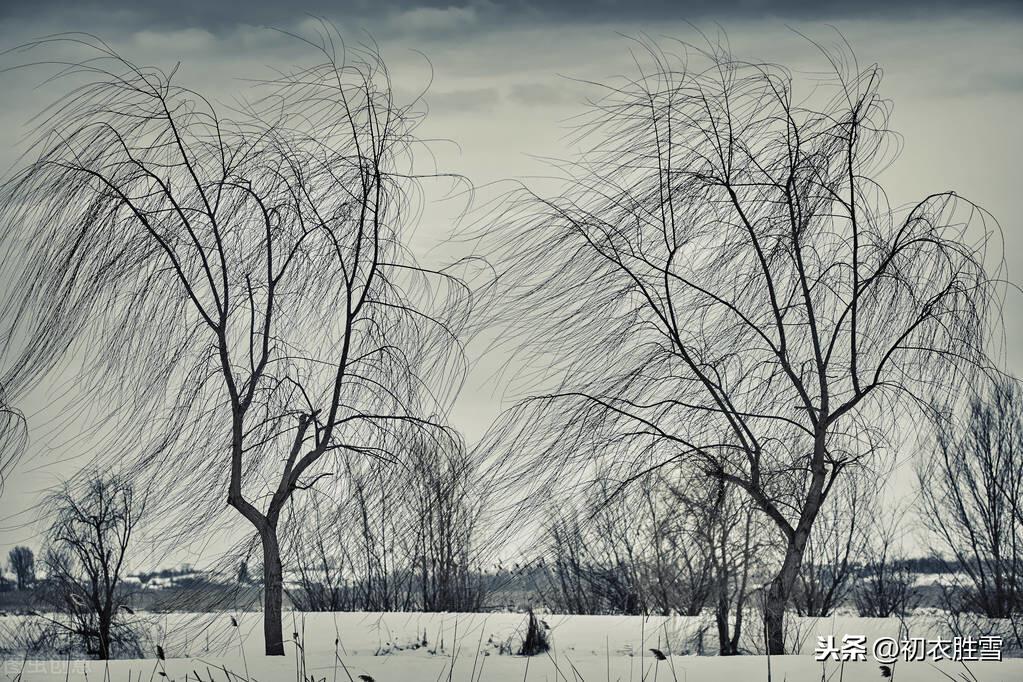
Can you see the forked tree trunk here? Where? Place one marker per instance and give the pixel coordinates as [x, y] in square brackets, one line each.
[725, 646]
[266, 526]
[780, 590]
[273, 592]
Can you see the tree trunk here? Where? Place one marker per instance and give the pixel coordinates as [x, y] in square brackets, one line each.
[779, 592]
[737, 631]
[721, 609]
[725, 647]
[781, 587]
[104, 638]
[273, 593]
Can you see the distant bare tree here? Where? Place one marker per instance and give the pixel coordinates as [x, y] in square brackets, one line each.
[402, 537]
[730, 527]
[590, 561]
[971, 499]
[568, 585]
[377, 536]
[243, 572]
[681, 557]
[238, 281]
[884, 586]
[357, 551]
[834, 549]
[722, 282]
[322, 574]
[443, 513]
[23, 564]
[654, 549]
[87, 545]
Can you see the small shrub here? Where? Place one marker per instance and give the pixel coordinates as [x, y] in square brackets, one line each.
[536, 640]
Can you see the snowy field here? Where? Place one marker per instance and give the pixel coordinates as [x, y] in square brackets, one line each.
[356, 647]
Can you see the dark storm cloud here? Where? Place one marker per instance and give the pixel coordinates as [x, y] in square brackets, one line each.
[435, 15]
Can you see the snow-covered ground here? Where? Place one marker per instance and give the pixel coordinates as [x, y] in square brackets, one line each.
[390, 647]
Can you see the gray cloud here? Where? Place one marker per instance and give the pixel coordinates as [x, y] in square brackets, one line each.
[532, 94]
[444, 16]
[463, 101]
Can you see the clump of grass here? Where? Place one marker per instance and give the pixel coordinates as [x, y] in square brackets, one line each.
[536, 640]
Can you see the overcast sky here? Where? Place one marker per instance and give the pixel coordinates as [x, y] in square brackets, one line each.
[503, 92]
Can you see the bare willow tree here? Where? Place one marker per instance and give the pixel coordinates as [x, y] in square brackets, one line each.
[722, 281]
[235, 280]
[971, 500]
[87, 546]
